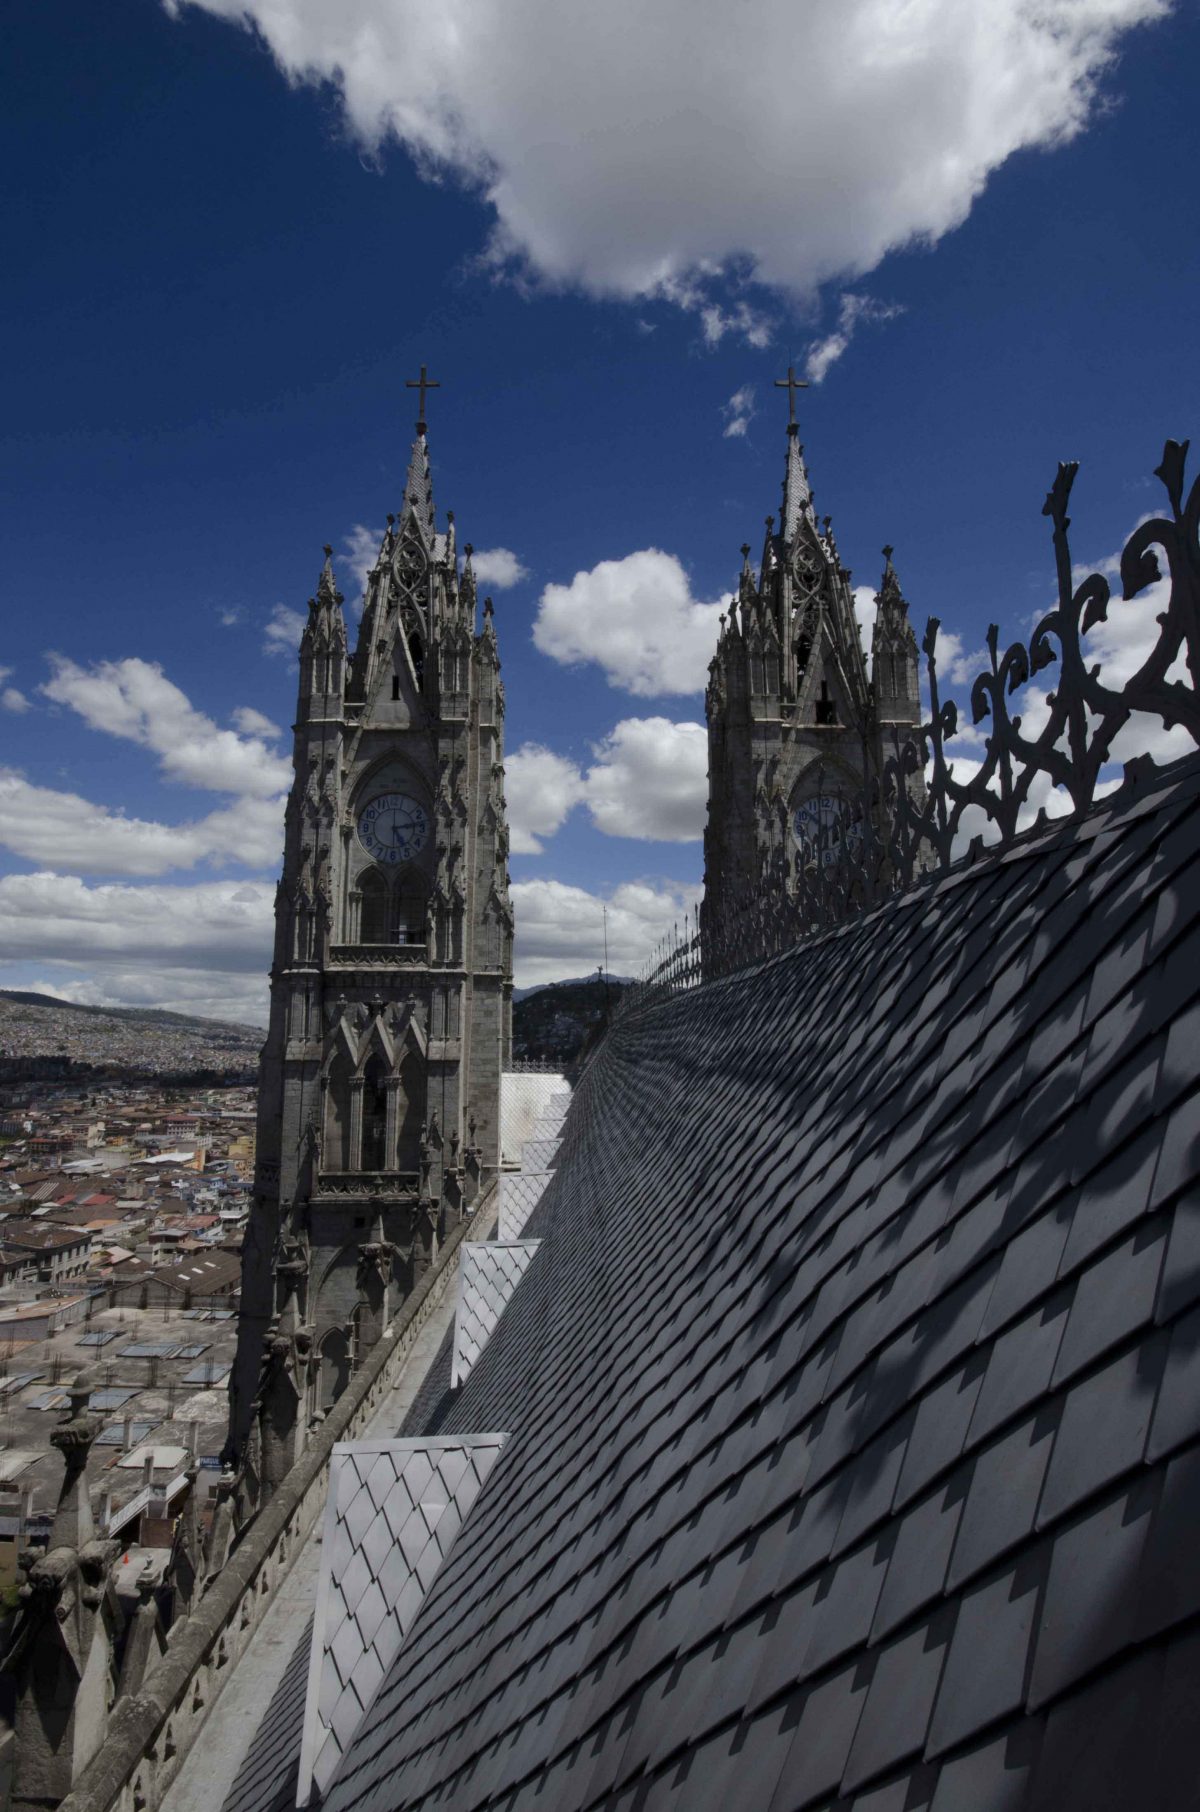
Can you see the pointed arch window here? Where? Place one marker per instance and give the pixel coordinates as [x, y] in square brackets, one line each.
[337, 1115]
[376, 919]
[374, 1115]
[826, 705]
[392, 912]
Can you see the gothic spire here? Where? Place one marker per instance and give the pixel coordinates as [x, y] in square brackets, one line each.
[797, 492]
[889, 585]
[417, 508]
[326, 627]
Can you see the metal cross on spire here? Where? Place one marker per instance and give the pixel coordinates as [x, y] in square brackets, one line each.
[791, 383]
[423, 383]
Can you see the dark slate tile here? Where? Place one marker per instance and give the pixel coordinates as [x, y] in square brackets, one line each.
[987, 1669]
[816, 1525]
[1169, 1587]
[761, 1752]
[1090, 1603]
[1002, 1503]
[1176, 1737]
[1177, 1415]
[760, 1563]
[992, 1777]
[703, 1775]
[786, 1630]
[731, 1666]
[924, 1542]
[1103, 1429]
[1093, 1755]
[1114, 1195]
[912, 1792]
[873, 1476]
[1179, 1285]
[1113, 1298]
[1029, 1266]
[1180, 1059]
[827, 1719]
[1179, 1158]
[1120, 1107]
[896, 1715]
[940, 1429]
[844, 1605]
[1021, 1364]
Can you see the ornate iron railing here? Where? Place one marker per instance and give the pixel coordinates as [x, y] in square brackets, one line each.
[921, 813]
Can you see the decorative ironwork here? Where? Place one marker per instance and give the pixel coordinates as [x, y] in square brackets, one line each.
[921, 814]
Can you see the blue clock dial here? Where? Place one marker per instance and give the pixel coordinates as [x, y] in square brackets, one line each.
[821, 827]
[393, 828]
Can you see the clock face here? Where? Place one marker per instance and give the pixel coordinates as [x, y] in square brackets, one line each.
[821, 827]
[393, 827]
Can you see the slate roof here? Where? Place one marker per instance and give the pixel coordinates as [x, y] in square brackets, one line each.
[393, 1511]
[854, 1392]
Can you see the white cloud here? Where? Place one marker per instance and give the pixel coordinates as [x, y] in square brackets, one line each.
[650, 780]
[203, 948]
[283, 630]
[65, 832]
[360, 549]
[852, 310]
[231, 615]
[541, 789]
[135, 700]
[957, 664]
[715, 322]
[11, 699]
[560, 929]
[641, 150]
[864, 611]
[252, 723]
[637, 619]
[739, 412]
[497, 567]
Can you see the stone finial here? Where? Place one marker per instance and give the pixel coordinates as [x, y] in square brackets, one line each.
[73, 1523]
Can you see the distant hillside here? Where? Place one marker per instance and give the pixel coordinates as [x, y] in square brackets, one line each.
[155, 1015]
[44, 1039]
[552, 1024]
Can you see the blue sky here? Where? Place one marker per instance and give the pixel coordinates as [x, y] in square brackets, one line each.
[599, 230]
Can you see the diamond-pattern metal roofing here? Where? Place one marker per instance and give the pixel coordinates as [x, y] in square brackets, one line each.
[855, 1395]
[522, 1099]
[393, 1511]
[540, 1154]
[518, 1196]
[487, 1276]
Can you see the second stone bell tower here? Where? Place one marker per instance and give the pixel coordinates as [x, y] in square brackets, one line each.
[391, 986]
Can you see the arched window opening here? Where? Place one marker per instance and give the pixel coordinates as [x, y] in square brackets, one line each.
[411, 901]
[335, 1367]
[411, 1113]
[826, 706]
[395, 685]
[337, 1115]
[376, 908]
[374, 1116]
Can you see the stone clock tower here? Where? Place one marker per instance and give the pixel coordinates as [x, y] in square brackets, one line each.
[795, 722]
[391, 986]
